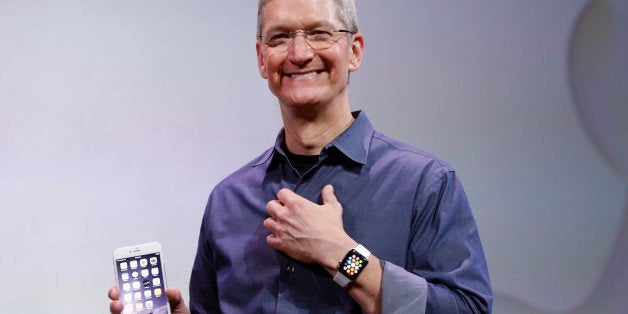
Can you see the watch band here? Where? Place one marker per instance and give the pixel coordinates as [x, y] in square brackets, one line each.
[364, 251]
[343, 280]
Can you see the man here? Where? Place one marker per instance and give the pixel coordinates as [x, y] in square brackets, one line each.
[332, 189]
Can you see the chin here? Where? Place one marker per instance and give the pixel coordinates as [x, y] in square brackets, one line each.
[302, 103]
[302, 99]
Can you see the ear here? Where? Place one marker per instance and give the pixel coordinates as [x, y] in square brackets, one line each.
[357, 51]
[260, 59]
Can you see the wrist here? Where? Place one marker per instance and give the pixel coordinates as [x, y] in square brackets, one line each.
[335, 254]
[351, 266]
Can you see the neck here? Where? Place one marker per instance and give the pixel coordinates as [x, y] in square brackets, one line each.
[306, 133]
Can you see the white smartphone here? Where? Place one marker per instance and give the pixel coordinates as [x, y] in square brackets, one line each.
[140, 276]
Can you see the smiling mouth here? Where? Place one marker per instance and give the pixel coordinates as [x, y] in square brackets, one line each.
[308, 74]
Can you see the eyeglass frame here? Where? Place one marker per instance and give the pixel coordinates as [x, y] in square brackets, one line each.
[294, 34]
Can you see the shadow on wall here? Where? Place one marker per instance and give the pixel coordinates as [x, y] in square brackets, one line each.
[598, 67]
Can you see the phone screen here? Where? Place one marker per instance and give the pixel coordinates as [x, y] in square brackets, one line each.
[141, 284]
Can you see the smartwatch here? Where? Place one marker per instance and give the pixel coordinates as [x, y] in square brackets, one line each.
[352, 265]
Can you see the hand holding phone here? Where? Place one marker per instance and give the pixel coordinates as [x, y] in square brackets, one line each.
[140, 278]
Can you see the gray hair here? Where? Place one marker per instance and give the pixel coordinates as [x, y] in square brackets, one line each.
[346, 13]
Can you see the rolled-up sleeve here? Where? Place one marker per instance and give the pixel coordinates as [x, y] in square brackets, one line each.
[402, 292]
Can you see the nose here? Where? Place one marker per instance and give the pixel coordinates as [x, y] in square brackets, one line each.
[300, 51]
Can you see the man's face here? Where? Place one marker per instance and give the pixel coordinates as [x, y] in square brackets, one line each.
[301, 76]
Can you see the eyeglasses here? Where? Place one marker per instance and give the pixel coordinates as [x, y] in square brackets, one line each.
[318, 39]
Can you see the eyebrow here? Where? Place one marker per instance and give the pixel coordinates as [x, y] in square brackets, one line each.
[309, 26]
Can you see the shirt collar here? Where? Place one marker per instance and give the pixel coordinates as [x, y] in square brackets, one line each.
[353, 142]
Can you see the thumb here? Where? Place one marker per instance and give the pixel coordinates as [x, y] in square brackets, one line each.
[328, 195]
[177, 305]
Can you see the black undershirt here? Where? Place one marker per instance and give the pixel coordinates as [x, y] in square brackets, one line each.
[302, 163]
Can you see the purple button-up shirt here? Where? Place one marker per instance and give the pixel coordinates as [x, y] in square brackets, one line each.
[403, 204]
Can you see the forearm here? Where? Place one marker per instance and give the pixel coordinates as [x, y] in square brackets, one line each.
[367, 289]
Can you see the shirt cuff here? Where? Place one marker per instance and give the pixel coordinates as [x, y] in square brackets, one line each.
[402, 291]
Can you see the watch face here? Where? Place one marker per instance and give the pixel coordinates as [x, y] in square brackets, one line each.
[352, 265]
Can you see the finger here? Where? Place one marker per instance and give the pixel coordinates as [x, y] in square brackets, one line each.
[273, 241]
[287, 196]
[177, 304]
[116, 307]
[114, 293]
[284, 193]
[275, 208]
[271, 224]
[271, 206]
[328, 195]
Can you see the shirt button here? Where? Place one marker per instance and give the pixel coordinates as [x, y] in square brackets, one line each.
[290, 269]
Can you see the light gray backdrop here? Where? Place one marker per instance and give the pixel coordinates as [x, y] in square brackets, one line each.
[118, 117]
